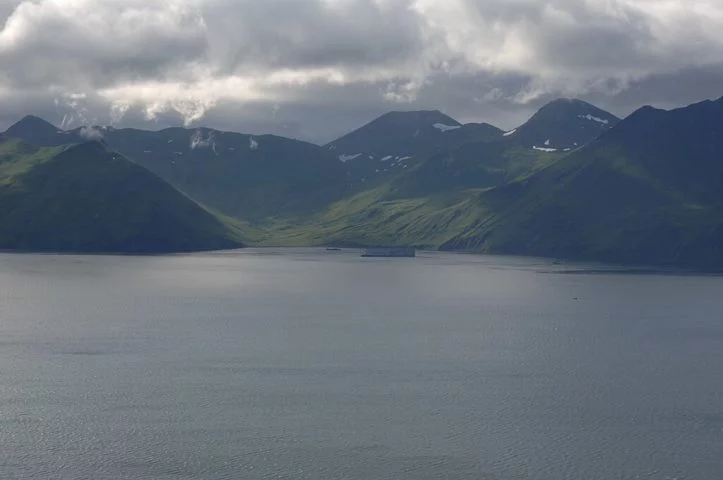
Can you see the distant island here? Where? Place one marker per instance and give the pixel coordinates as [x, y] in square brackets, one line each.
[573, 182]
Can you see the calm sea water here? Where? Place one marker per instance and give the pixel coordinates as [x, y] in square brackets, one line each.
[318, 365]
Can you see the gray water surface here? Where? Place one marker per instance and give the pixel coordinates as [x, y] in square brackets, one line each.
[307, 364]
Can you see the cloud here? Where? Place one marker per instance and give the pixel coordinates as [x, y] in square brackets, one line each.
[90, 133]
[89, 44]
[269, 64]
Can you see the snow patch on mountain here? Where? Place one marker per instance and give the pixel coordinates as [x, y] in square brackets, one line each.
[593, 118]
[544, 149]
[253, 144]
[199, 140]
[346, 157]
[446, 128]
[507, 134]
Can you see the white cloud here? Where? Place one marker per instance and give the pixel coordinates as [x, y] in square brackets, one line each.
[189, 57]
[91, 133]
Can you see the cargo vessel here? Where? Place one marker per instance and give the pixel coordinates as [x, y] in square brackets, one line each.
[389, 252]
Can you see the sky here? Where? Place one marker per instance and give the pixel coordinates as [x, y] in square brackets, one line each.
[315, 69]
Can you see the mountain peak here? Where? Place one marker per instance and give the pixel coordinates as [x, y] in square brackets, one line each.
[395, 135]
[32, 123]
[565, 123]
[571, 104]
[90, 199]
[566, 102]
[409, 123]
[36, 131]
[417, 118]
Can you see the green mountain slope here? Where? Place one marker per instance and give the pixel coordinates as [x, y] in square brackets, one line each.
[87, 198]
[243, 176]
[472, 165]
[649, 191]
[434, 198]
[378, 216]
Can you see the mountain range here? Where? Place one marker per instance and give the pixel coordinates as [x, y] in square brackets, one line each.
[244, 176]
[572, 182]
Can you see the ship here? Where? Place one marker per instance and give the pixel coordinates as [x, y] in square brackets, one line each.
[389, 252]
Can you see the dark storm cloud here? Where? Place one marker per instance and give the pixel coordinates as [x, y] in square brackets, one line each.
[87, 45]
[317, 68]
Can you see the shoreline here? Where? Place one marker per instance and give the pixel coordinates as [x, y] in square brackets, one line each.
[545, 265]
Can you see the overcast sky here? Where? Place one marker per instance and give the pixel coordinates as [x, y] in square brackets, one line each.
[314, 69]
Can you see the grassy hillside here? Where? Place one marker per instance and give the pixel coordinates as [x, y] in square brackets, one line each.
[87, 198]
[242, 176]
[650, 191]
[374, 217]
[472, 166]
[427, 205]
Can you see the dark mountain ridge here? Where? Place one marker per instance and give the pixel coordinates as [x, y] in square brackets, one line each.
[563, 124]
[37, 131]
[398, 140]
[556, 129]
[649, 191]
[88, 198]
[239, 175]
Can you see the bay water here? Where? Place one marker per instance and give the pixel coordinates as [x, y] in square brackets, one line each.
[308, 364]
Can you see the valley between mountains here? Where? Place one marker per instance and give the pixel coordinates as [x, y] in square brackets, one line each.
[573, 182]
